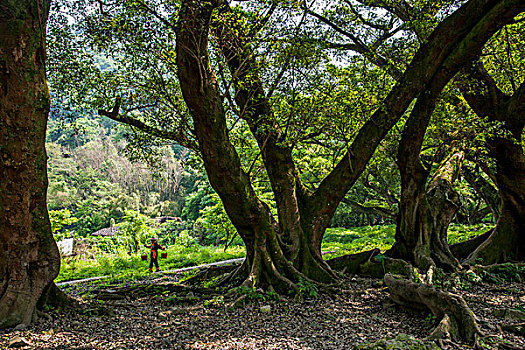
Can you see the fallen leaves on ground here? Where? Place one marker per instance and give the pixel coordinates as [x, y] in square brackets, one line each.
[361, 313]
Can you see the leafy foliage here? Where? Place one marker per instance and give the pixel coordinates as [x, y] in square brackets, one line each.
[59, 220]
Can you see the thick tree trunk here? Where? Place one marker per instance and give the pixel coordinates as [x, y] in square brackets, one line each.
[421, 234]
[507, 241]
[272, 264]
[424, 217]
[425, 212]
[29, 257]
[455, 42]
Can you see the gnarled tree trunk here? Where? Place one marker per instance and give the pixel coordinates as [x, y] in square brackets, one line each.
[280, 252]
[425, 212]
[29, 257]
[507, 241]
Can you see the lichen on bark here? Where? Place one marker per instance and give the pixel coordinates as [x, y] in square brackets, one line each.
[29, 256]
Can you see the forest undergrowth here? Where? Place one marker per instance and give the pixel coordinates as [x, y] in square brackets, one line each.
[186, 311]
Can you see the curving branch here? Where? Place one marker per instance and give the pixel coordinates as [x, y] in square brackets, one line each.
[156, 14]
[177, 136]
[455, 42]
[384, 212]
[356, 45]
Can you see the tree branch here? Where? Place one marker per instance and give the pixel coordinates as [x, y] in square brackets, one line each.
[167, 23]
[169, 135]
[357, 46]
[454, 43]
[384, 212]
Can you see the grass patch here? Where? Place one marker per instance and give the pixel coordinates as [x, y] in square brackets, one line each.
[343, 241]
[339, 241]
[124, 266]
[461, 233]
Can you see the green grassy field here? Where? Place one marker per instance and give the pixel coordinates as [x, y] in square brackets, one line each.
[102, 264]
[337, 241]
[343, 241]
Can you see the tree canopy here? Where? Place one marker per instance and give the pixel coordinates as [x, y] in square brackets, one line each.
[284, 98]
[294, 110]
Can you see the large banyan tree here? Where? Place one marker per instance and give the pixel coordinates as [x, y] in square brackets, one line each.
[282, 251]
[206, 77]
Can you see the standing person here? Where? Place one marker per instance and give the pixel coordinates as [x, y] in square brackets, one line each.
[154, 246]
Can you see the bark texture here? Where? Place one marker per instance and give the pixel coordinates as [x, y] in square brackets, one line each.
[281, 252]
[457, 320]
[29, 257]
[507, 241]
[427, 206]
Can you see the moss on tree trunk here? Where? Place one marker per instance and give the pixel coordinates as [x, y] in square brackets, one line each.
[29, 257]
[507, 241]
[281, 252]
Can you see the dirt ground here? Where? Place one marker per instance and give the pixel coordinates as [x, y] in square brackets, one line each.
[362, 312]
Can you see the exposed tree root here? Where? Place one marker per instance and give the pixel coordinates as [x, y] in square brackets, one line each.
[370, 264]
[462, 250]
[351, 263]
[238, 274]
[54, 298]
[504, 346]
[518, 328]
[142, 290]
[457, 320]
[226, 271]
[502, 272]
